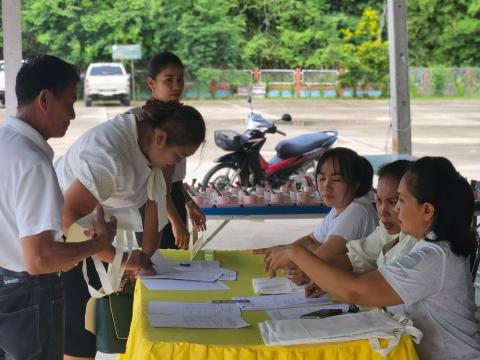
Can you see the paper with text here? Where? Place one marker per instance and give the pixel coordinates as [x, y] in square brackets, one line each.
[195, 315]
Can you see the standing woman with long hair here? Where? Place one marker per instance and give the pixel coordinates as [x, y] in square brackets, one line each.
[166, 83]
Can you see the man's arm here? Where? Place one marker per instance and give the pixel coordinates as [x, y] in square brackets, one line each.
[43, 255]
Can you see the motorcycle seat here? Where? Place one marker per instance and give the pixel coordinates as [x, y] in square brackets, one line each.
[302, 144]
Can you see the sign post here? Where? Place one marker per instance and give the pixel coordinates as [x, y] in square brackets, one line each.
[128, 52]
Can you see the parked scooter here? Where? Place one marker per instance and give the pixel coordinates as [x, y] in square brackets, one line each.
[295, 157]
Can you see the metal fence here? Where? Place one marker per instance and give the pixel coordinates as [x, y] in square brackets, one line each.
[445, 81]
[320, 83]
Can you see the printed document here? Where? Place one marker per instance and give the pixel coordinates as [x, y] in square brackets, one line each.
[276, 285]
[268, 302]
[195, 315]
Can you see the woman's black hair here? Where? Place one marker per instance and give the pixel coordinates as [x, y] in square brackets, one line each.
[183, 124]
[434, 180]
[160, 61]
[395, 169]
[356, 171]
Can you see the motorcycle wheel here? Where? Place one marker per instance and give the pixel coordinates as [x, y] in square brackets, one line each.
[222, 175]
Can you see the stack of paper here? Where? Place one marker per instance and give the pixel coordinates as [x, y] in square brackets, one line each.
[269, 302]
[276, 285]
[295, 313]
[195, 315]
[187, 275]
[364, 325]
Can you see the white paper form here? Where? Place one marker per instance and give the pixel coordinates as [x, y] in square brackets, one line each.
[195, 315]
[269, 302]
[161, 265]
[206, 267]
[210, 276]
[271, 286]
[295, 313]
[169, 284]
[197, 264]
[190, 270]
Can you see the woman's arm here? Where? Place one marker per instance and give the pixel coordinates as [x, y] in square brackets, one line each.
[195, 213]
[332, 247]
[179, 229]
[309, 242]
[369, 289]
[79, 202]
[151, 235]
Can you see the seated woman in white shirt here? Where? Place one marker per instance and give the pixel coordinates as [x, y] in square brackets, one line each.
[117, 164]
[432, 283]
[382, 246]
[344, 180]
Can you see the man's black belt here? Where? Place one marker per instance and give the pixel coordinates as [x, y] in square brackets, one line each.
[11, 278]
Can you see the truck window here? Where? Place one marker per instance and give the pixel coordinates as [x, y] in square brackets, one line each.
[106, 70]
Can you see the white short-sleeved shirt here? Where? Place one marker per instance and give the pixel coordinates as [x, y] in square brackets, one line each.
[368, 253]
[436, 288]
[31, 201]
[358, 220]
[109, 163]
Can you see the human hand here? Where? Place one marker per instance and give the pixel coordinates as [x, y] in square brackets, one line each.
[197, 217]
[313, 291]
[277, 257]
[181, 234]
[140, 263]
[103, 232]
[295, 275]
[128, 276]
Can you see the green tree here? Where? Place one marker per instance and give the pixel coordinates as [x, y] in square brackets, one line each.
[364, 53]
[286, 34]
[209, 37]
[444, 32]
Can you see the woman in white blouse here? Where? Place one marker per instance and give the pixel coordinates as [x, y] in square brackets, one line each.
[344, 180]
[385, 243]
[432, 283]
[118, 164]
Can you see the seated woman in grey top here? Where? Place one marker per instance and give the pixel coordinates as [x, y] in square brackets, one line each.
[432, 284]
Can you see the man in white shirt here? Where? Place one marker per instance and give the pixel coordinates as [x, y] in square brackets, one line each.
[31, 204]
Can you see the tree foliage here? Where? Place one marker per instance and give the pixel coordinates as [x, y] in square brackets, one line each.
[246, 33]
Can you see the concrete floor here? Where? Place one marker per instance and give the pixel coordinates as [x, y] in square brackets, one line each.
[449, 128]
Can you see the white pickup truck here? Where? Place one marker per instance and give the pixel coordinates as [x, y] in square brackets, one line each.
[104, 81]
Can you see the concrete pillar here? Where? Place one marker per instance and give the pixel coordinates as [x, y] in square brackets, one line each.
[256, 75]
[398, 56]
[12, 50]
[298, 81]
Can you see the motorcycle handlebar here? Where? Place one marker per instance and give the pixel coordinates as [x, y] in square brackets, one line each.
[281, 132]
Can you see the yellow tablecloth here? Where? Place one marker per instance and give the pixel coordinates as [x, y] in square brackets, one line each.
[145, 342]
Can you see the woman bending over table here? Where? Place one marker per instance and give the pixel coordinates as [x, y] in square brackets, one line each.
[118, 164]
[432, 284]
